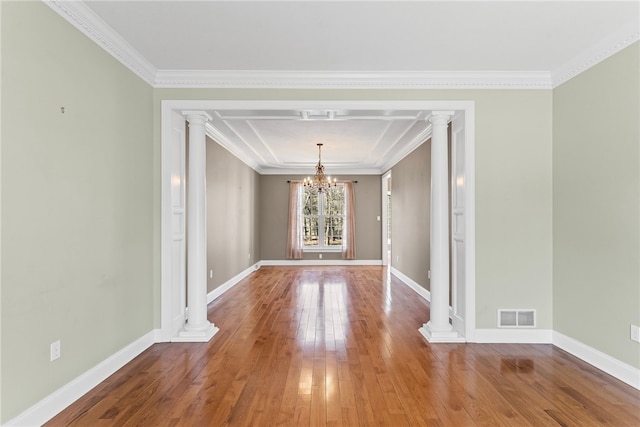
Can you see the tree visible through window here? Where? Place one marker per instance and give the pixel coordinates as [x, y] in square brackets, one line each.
[323, 218]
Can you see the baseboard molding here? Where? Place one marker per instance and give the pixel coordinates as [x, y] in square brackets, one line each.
[231, 282]
[53, 404]
[305, 262]
[411, 283]
[513, 336]
[612, 366]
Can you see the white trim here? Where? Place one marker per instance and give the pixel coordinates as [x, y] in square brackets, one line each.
[424, 293]
[395, 157]
[223, 141]
[513, 336]
[470, 221]
[604, 49]
[91, 25]
[612, 366]
[321, 249]
[231, 283]
[386, 258]
[306, 262]
[53, 404]
[463, 107]
[353, 79]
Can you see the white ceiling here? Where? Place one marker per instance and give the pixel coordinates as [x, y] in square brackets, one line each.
[350, 44]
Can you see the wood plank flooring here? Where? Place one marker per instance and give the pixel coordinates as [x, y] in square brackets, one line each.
[339, 346]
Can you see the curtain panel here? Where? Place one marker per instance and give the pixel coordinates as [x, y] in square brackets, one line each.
[349, 229]
[294, 230]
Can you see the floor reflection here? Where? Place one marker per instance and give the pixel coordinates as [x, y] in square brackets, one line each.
[517, 365]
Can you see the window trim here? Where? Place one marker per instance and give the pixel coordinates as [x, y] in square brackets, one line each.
[321, 222]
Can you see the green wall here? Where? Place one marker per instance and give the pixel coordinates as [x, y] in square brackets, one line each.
[513, 186]
[77, 204]
[81, 201]
[596, 200]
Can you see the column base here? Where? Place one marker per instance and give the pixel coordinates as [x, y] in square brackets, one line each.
[203, 334]
[440, 336]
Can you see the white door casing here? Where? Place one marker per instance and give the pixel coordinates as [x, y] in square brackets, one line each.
[172, 279]
[457, 210]
[385, 219]
[173, 249]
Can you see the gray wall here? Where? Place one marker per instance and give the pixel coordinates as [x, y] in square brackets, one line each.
[233, 236]
[596, 200]
[274, 202]
[410, 214]
[77, 204]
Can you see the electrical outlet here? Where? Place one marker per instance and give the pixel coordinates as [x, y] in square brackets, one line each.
[635, 333]
[319, 256]
[55, 350]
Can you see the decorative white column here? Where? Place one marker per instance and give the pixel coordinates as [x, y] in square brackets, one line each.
[197, 328]
[438, 329]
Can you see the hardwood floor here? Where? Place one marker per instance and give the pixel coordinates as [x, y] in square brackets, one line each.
[339, 346]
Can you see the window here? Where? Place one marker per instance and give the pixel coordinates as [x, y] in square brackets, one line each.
[323, 216]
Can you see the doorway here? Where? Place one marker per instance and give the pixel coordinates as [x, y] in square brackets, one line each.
[172, 261]
[386, 219]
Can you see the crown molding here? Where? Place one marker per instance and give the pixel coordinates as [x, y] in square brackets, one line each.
[310, 170]
[607, 47]
[224, 142]
[408, 149]
[91, 25]
[86, 21]
[349, 80]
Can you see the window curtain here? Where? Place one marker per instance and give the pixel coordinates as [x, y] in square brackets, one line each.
[349, 229]
[294, 231]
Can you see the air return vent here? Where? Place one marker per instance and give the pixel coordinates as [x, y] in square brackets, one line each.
[516, 318]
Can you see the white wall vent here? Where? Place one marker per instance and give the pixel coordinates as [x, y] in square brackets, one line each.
[516, 318]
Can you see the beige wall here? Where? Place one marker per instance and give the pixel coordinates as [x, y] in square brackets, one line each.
[274, 202]
[410, 213]
[77, 204]
[596, 199]
[233, 236]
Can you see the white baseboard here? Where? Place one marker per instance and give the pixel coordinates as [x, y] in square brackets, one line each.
[231, 282]
[513, 336]
[612, 366]
[305, 262]
[411, 283]
[53, 404]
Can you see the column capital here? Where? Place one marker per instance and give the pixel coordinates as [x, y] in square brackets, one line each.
[440, 117]
[197, 116]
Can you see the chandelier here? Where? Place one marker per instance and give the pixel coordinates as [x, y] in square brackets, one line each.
[320, 182]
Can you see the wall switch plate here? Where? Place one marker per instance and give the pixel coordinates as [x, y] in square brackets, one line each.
[635, 333]
[428, 274]
[210, 274]
[55, 350]
[319, 256]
